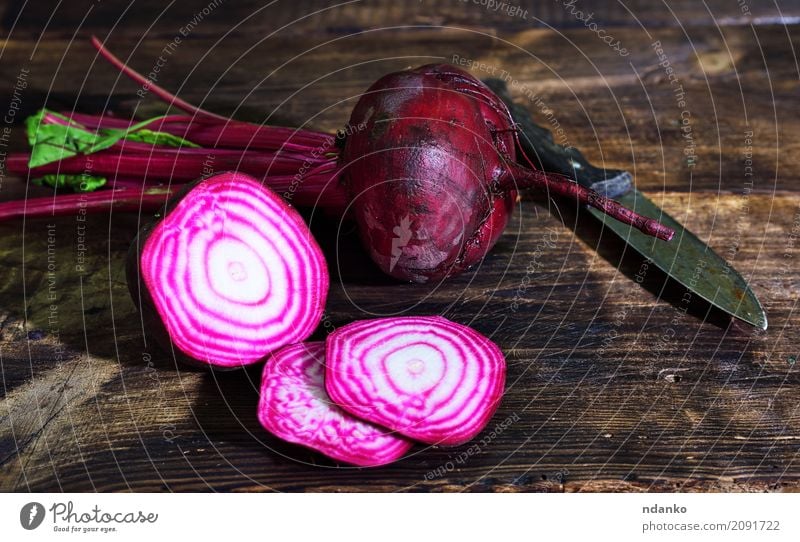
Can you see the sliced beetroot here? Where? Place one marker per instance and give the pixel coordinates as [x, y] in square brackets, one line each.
[229, 274]
[425, 377]
[295, 407]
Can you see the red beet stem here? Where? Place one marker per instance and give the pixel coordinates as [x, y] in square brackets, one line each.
[147, 199]
[209, 129]
[178, 166]
[276, 158]
[519, 176]
[302, 181]
[220, 131]
[231, 134]
[315, 188]
[161, 93]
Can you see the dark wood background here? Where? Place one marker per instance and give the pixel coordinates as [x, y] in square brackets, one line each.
[610, 387]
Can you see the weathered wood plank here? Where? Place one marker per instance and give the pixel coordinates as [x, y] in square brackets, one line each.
[320, 16]
[610, 387]
[602, 400]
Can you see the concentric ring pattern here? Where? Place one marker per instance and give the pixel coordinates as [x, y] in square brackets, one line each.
[295, 407]
[428, 378]
[234, 272]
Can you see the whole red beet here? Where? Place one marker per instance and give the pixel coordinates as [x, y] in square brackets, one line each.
[432, 175]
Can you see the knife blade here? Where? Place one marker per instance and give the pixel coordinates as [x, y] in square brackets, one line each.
[686, 258]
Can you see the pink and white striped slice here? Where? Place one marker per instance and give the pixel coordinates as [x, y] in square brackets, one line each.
[427, 378]
[233, 272]
[295, 407]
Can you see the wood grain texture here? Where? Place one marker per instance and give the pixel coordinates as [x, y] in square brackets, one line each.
[611, 387]
[322, 16]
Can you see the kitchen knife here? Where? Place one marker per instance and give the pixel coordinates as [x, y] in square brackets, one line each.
[686, 258]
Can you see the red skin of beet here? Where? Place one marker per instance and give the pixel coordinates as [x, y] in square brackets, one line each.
[425, 191]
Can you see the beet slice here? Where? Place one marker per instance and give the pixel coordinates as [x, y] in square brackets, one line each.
[425, 377]
[295, 407]
[229, 274]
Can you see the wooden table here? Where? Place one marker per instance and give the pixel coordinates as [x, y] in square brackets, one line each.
[610, 386]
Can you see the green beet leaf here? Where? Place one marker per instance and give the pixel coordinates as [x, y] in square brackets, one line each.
[54, 137]
[76, 183]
